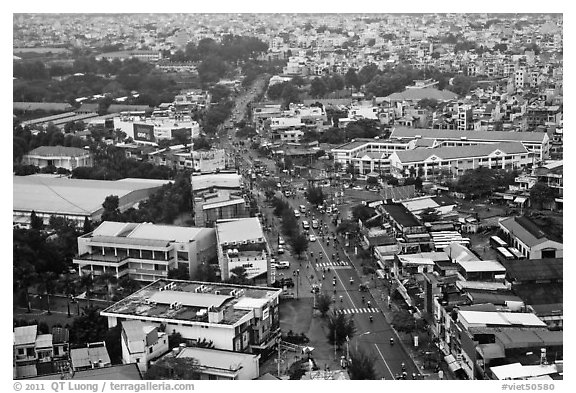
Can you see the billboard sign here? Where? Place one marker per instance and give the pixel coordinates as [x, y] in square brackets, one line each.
[144, 132]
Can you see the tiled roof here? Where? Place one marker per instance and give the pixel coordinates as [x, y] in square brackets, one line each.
[455, 152]
[58, 151]
[405, 132]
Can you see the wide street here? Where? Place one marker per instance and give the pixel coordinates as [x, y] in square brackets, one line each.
[325, 257]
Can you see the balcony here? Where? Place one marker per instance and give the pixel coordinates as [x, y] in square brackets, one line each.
[110, 258]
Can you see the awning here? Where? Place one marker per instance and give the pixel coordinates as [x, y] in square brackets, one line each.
[520, 199]
[491, 351]
[381, 273]
[508, 197]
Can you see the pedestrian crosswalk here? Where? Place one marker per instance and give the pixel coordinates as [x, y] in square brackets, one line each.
[333, 265]
[358, 310]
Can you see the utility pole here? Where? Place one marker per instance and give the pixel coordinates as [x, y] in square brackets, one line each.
[279, 360]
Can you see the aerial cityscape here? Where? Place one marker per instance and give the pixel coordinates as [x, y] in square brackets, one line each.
[288, 197]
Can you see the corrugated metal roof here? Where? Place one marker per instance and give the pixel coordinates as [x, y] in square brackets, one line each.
[25, 335]
[405, 132]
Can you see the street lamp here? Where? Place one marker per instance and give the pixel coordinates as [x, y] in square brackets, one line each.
[358, 339]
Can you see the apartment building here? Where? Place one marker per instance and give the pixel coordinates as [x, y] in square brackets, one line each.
[236, 318]
[142, 55]
[537, 143]
[144, 252]
[411, 235]
[456, 160]
[241, 242]
[58, 156]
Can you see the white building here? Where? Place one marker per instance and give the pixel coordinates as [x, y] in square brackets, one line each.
[59, 157]
[368, 155]
[537, 143]
[456, 160]
[142, 343]
[215, 364]
[151, 129]
[236, 318]
[144, 252]
[241, 243]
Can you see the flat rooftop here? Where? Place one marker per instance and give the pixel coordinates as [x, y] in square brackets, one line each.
[154, 301]
[243, 229]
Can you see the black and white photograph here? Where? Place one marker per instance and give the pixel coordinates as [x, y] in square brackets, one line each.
[292, 195]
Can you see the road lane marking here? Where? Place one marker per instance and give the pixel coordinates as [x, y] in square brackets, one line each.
[385, 362]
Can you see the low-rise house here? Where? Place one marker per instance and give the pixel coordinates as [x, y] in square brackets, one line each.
[531, 240]
[94, 355]
[142, 343]
[215, 364]
[39, 354]
[58, 156]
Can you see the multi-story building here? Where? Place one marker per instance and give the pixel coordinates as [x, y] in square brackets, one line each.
[142, 55]
[210, 207]
[537, 143]
[411, 235]
[151, 129]
[457, 159]
[236, 318]
[368, 155]
[59, 157]
[180, 157]
[144, 252]
[38, 354]
[241, 243]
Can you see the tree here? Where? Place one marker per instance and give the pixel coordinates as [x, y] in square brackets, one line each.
[351, 78]
[318, 88]
[87, 283]
[206, 272]
[47, 286]
[109, 279]
[128, 284]
[24, 274]
[362, 212]
[89, 327]
[340, 328]
[36, 222]
[299, 244]
[111, 211]
[323, 302]
[541, 194]
[404, 321]
[372, 181]
[314, 195]
[201, 144]
[174, 340]
[87, 227]
[477, 182]
[238, 275]
[361, 366]
[114, 343]
[179, 273]
[174, 368]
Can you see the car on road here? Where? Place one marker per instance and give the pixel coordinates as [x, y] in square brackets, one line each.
[281, 241]
[312, 238]
[282, 265]
[284, 282]
[315, 224]
[296, 214]
[305, 224]
[302, 208]
[280, 250]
